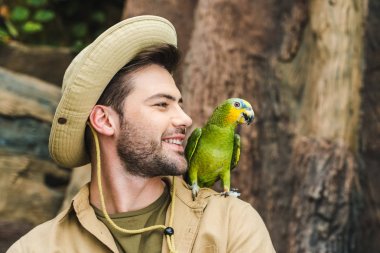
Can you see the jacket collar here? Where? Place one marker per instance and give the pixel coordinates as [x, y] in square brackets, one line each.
[187, 215]
[87, 218]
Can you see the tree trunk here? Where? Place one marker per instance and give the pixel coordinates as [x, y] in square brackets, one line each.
[303, 150]
[370, 134]
[328, 74]
[231, 53]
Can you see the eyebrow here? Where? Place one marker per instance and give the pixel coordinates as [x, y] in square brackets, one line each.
[163, 95]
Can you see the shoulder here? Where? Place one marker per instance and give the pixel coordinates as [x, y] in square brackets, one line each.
[227, 224]
[233, 209]
[210, 199]
[242, 226]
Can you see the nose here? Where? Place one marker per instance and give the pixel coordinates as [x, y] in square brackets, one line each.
[182, 119]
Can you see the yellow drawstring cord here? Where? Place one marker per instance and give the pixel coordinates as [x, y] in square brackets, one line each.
[169, 232]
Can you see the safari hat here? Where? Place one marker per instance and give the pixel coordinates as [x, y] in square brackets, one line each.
[88, 75]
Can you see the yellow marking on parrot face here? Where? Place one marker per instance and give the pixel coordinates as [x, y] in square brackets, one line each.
[234, 115]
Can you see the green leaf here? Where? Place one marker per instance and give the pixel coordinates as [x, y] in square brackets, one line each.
[36, 3]
[98, 16]
[32, 27]
[11, 28]
[79, 30]
[44, 16]
[19, 14]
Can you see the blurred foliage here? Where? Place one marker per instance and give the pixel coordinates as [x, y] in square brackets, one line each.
[70, 23]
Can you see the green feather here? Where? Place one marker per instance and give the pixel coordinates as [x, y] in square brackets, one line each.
[236, 154]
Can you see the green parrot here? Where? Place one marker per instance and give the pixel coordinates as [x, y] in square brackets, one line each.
[214, 150]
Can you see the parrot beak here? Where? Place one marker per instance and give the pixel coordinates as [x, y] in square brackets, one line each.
[248, 117]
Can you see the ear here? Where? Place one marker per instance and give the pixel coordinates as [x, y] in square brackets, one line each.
[104, 120]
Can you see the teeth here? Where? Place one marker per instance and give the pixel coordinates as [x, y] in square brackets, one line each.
[173, 141]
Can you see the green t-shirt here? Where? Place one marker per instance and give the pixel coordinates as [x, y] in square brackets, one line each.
[151, 241]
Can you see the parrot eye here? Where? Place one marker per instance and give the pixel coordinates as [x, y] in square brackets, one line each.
[237, 104]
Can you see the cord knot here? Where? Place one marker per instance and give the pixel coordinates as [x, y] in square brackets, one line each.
[169, 231]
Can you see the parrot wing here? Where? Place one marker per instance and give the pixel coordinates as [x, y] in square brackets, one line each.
[192, 143]
[236, 152]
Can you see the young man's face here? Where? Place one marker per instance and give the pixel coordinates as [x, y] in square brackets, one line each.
[153, 127]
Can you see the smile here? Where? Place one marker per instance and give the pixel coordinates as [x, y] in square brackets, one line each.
[174, 141]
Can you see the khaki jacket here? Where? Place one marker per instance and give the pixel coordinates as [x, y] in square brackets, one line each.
[212, 223]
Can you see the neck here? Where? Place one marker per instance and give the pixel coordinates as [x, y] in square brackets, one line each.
[221, 121]
[122, 191]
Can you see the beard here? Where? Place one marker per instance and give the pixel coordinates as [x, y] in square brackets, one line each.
[146, 158]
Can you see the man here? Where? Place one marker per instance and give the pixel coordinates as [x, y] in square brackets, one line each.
[121, 111]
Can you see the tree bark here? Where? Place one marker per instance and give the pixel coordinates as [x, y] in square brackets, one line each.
[370, 134]
[328, 75]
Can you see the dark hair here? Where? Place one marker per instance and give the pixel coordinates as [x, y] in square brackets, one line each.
[117, 90]
[164, 55]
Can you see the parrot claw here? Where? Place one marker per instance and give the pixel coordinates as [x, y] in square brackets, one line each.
[232, 193]
[194, 190]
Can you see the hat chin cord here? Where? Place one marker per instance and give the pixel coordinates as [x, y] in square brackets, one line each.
[168, 231]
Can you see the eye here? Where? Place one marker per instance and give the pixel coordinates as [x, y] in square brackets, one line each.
[163, 104]
[237, 104]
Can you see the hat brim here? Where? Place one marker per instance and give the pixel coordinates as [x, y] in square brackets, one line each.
[88, 75]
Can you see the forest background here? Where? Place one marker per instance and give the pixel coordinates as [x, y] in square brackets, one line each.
[310, 163]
